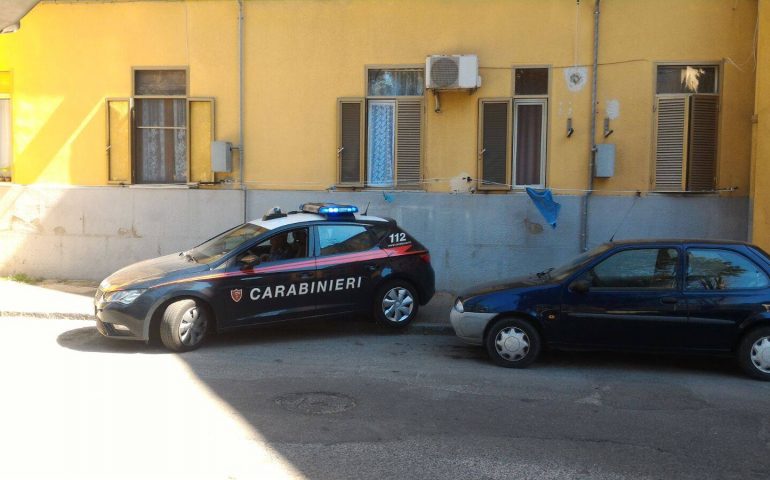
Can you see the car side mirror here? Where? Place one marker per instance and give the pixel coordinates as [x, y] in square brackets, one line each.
[579, 286]
[249, 260]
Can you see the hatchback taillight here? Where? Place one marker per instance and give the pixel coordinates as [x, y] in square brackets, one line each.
[425, 257]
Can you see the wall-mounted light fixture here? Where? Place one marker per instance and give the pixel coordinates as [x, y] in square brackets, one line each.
[607, 130]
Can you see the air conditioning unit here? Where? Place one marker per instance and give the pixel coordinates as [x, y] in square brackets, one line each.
[452, 72]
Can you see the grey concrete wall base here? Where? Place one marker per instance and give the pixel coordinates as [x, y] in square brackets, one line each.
[88, 232]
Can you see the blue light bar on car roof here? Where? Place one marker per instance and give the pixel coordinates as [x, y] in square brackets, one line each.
[329, 209]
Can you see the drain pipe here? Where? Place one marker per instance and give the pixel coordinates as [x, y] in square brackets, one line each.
[592, 138]
[240, 106]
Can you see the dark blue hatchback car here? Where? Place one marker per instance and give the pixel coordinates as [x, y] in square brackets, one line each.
[653, 295]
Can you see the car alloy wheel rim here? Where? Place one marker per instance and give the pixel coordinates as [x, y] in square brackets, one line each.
[397, 304]
[512, 344]
[760, 354]
[193, 326]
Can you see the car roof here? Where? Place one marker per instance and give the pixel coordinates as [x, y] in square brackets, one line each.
[688, 241]
[302, 217]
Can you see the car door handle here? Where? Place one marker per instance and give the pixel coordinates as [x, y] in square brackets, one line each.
[669, 300]
[371, 267]
[305, 276]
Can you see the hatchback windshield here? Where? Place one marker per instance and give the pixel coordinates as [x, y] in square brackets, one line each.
[224, 243]
[565, 271]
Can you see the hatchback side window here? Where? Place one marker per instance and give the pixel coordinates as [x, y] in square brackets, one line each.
[345, 239]
[715, 269]
[647, 268]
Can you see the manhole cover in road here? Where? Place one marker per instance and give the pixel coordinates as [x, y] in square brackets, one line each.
[316, 403]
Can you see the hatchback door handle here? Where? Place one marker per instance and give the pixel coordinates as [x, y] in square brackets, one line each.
[669, 300]
[305, 276]
[371, 267]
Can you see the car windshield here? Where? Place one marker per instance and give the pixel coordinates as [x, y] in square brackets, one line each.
[575, 264]
[224, 243]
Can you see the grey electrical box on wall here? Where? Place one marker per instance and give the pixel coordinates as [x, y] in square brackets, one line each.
[604, 167]
[221, 157]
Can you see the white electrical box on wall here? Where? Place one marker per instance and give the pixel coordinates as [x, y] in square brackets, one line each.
[604, 166]
[221, 157]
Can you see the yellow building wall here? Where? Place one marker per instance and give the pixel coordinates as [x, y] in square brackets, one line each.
[761, 171]
[301, 55]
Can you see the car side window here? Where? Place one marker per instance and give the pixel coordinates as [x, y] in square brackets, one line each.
[336, 239]
[644, 268]
[716, 269]
[283, 246]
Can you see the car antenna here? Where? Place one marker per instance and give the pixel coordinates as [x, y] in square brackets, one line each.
[636, 197]
[367, 208]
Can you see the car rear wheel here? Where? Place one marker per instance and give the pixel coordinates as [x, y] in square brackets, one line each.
[184, 325]
[754, 353]
[395, 304]
[513, 343]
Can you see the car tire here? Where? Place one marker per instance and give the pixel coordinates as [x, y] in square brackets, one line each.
[396, 304]
[184, 325]
[754, 353]
[513, 343]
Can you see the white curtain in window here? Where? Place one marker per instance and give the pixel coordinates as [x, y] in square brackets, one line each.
[380, 151]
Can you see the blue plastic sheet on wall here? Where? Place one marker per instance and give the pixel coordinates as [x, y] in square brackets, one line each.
[544, 202]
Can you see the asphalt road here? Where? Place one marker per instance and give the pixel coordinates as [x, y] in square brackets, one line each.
[337, 403]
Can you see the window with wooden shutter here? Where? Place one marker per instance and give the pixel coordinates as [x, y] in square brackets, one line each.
[201, 119]
[494, 144]
[409, 143]
[669, 147]
[118, 141]
[686, 127]
[701, 169]
[350, 142]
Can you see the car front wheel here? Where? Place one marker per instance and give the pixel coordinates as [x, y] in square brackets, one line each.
[395, 304]
[754, 353]
[184, 325]
[513, 343]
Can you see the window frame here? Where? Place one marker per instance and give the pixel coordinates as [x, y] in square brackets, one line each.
[134, 121]
[364, 129]
[719, 82]
[686, 269]
[546, 122]
[6, 93]
[543, 141]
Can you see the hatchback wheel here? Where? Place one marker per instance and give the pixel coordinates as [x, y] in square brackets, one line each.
[754, 353]
[395, 304]
[512, 342]
[184, 325]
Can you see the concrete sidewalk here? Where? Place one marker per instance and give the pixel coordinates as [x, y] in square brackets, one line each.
[73, 299]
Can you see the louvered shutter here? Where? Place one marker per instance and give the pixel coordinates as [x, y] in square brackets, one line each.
[702, 157]
[200, 136]
[408, 143]
[118, 140]
[350, 145]
[494, 143]
[670, 142]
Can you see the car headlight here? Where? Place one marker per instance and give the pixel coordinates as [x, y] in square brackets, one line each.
[123, 296]
[459, 305]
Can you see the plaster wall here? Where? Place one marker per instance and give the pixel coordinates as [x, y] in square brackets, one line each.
[301, 55]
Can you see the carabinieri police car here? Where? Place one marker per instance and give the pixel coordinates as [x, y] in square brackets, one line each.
[322, 260]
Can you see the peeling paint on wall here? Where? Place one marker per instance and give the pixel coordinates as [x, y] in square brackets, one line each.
[612, 109]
